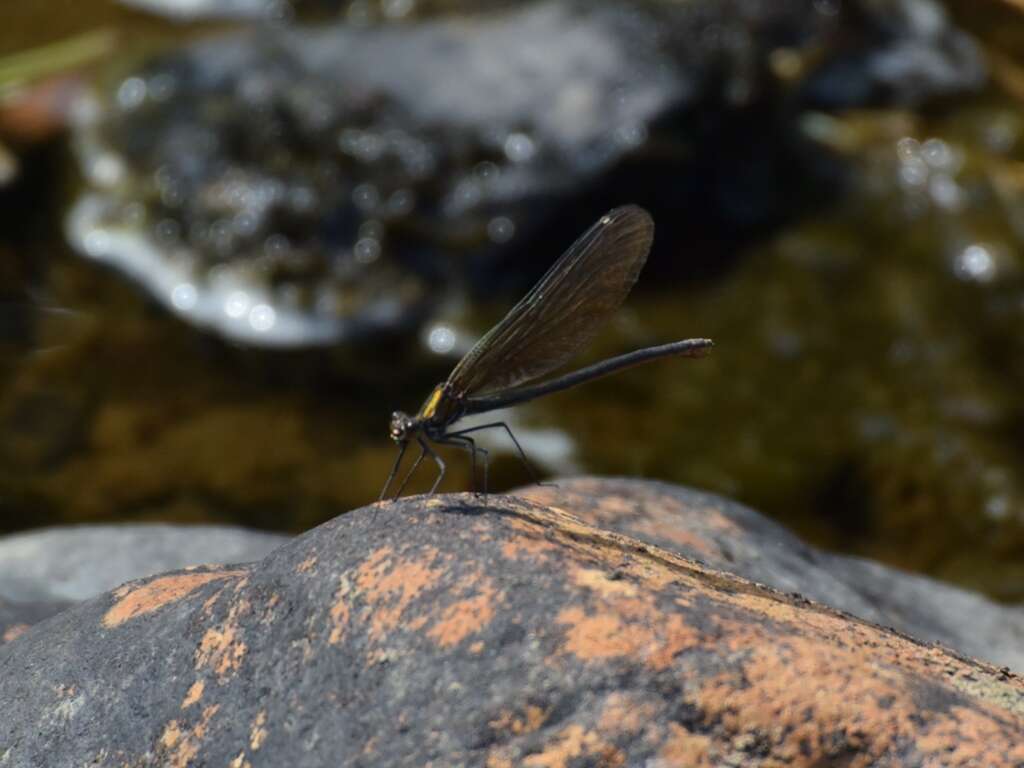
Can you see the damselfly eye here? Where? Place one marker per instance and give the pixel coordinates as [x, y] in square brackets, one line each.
[399, 427]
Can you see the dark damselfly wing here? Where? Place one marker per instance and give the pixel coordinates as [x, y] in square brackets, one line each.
[564, 311]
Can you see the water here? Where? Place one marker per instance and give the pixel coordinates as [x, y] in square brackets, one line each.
[865, 388]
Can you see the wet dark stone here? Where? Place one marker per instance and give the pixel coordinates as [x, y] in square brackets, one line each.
[334, 172]
[358, 12]
[382, 638]
[342, 175]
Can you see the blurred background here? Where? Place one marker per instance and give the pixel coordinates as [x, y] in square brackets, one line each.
[236, 234]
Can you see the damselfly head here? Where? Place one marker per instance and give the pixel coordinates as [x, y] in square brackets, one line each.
[402, 425]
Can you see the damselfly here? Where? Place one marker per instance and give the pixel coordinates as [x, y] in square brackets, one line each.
[554, 321]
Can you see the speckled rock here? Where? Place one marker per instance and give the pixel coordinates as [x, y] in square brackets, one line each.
[735, 538]
[445, 631]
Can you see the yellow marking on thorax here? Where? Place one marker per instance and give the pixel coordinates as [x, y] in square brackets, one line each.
[430, 407]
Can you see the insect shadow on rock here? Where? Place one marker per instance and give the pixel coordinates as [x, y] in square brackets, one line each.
[540, 334]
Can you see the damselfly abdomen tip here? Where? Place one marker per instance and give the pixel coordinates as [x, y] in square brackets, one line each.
[540, 334]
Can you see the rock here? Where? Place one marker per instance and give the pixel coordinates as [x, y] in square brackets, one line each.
[910, 52]
[16, 618]
[734, 538]
[63, 565]
[448, 631]
[44, 572]
[293, 187]
[199, 9]
[357, 11]
[314, 185]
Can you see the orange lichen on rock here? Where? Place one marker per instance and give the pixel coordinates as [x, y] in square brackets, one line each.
[137, 599]
[468, 616]
[799, 694]
[574, 742]
[182, 746]
[211, 601]
[599, 636]
[172, 735]
[222, 648]
[683, 748]
[527, 546]
[195, 693]
[602, 582]
[340, 611]
[531, 719]
[622, 620]
[389, 585]
[258, 734]
[648, 637]
[626, 713]
[15, 631]
[499, 758]
[981, 732]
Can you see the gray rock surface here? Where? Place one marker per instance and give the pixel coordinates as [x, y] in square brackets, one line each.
[449, 631]
[68, 564]
[16, 618]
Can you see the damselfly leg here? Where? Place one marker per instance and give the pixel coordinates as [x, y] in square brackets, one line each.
[519, 449]
[470, 445]
[394, 471]
[415, 466]
[441, 467]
